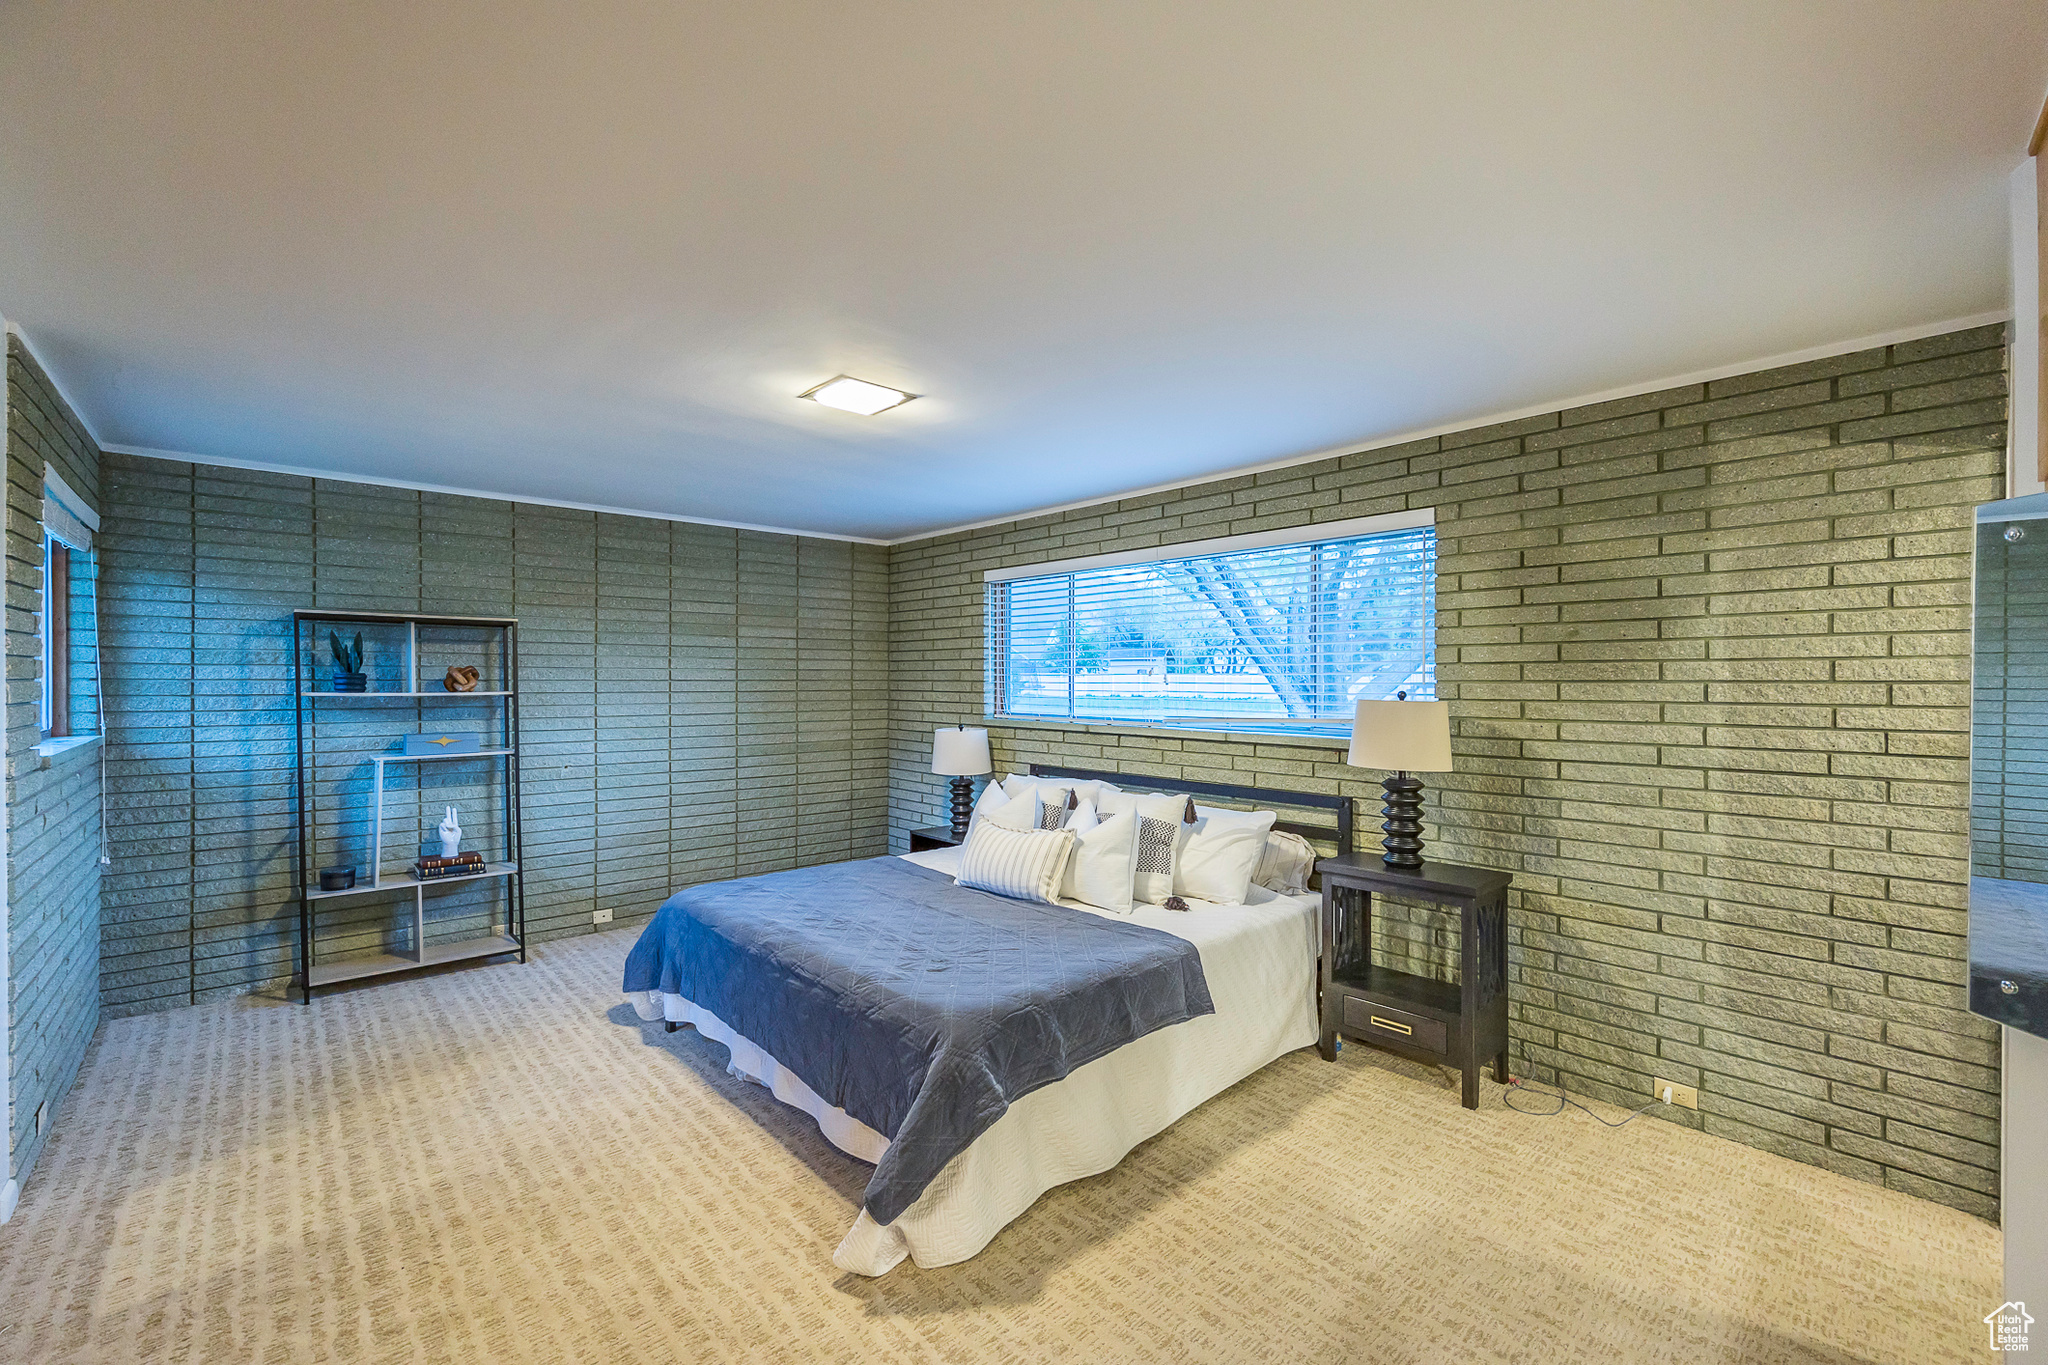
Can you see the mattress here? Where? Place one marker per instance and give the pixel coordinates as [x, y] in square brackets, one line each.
[1259, 960]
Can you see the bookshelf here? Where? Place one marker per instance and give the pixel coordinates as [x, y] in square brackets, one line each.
[355, 791]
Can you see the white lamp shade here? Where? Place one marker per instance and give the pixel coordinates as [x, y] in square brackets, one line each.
[959, 752]
[1402, 736]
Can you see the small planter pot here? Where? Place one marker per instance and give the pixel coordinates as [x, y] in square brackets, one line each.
[351, 682]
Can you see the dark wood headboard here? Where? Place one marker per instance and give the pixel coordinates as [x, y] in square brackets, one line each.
[1337, 832]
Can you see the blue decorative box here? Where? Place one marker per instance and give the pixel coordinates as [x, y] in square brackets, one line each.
[431, 743]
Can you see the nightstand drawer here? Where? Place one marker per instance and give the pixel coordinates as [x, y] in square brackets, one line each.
[1364, 1019]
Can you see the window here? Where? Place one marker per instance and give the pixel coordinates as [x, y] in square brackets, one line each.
[56, 624]
[68, 640]
[1258, 633]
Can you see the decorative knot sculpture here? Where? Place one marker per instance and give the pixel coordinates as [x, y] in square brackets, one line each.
[460, 678]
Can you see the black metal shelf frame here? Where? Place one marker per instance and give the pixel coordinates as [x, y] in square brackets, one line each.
[313, 974]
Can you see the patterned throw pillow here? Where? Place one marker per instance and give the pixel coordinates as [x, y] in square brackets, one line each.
[1286, 863]
[1152, 869]
[1025, 864]
[1052, 814]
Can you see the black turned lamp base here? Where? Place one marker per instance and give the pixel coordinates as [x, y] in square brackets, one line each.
[963, 806]
[1404, 822]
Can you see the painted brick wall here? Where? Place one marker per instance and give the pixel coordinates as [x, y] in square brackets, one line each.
[53, 806]
[1708, 655]
[697, 702]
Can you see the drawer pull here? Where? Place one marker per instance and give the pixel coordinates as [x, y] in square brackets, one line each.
[1390, 1024]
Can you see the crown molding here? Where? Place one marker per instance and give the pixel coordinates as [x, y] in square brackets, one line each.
[416, 486]
[50, 377]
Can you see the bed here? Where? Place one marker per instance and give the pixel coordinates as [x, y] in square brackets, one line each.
[1008, 1048]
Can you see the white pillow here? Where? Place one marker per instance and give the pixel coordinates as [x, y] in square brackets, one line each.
[1024, 864]
[1014, 786]
[1215, 863]
[1086, 791]
[992, 798]
[1099, 873]
[1113, 801]
[1286, 864]
[1020, 814]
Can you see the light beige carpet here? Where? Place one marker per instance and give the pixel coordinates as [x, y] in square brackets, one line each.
[500, 1164]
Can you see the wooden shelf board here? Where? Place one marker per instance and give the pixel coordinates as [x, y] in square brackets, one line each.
[360, 966]
[405, 881]
[1419, 994]
[462, 950]
[357, 966]
[434, 758]
[379, 696]
[400, 617]
[408, 881]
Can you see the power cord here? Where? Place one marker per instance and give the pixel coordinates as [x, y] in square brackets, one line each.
[1517, 1083]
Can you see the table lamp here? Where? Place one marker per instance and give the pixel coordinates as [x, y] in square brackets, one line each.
[1404, 737]
[961, 754]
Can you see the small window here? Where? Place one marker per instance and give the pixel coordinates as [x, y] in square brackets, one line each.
[56, 641]
[68, 701]
[1270, 637]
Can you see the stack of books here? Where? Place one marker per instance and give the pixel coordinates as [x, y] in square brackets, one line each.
[461, 865]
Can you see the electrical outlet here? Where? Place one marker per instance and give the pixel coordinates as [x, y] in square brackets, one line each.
[1684, 1096]
[600, 917]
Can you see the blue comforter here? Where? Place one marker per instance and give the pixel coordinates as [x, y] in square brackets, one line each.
[921, 1008]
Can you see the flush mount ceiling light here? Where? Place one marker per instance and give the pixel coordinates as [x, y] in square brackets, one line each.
[856, 395]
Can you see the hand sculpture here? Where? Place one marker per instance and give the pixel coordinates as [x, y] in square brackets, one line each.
[451, 834]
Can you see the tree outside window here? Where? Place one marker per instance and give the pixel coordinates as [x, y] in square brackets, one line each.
[1286, 637]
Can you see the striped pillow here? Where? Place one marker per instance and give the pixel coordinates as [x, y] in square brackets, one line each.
[1024, 864]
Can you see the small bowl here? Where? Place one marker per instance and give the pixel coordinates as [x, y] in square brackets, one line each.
[337, 878]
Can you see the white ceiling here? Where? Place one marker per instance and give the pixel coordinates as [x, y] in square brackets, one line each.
[589, 251]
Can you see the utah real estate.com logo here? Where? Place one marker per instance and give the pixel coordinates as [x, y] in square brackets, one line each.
[2008, 1323]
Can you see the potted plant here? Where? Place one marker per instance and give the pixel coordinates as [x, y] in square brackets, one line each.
[348, 664]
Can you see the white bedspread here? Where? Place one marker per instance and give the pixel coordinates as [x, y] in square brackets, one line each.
[1259, 960]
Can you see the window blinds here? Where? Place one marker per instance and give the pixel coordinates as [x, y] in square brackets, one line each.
[66, 517]
[1285, 637]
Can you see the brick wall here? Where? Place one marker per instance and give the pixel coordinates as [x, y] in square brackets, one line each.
[696, 702]
[53, 806]
[1708, 655]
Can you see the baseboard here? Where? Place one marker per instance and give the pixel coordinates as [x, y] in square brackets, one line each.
[10, 1195]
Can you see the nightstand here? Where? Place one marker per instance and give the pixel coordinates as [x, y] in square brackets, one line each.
[937, 836]
[1462, 1024]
